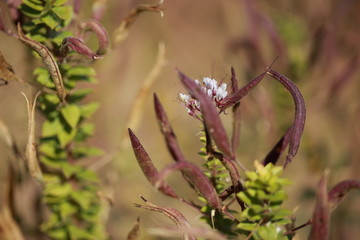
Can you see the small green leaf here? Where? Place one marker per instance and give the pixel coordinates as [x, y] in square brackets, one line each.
[51, 128]
[63, 12]
[79, 95]
[87, 175]
[247, 226]
[89, 109]
[71, 114]
[66, 210]
[33, 5]
[50, 20]
[84, 151]
[66, 136]
[59, 2]
[81, 71]
[59, 37]
[30, 12]
[58, 190]
[85, 130]
[83, 198]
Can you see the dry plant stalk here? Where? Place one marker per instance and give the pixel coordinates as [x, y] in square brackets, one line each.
[49, 61]
[31, 153]
[137, 109]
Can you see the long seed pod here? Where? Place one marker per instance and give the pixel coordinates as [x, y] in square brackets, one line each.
[31, 153]
[49, 61]
[321, 217]
[173, 214]
[198, 180]
[147, 166]
[235, 137]
[300, 113]
[166, 129]
[209, 114]
[338, 192]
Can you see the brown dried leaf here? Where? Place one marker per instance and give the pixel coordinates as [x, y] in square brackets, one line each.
[49, 61]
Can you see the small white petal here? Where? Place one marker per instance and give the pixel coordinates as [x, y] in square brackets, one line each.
[184, 97]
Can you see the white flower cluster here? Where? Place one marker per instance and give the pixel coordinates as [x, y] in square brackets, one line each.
[211, 88]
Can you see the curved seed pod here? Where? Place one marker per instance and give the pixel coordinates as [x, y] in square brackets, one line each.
[300, 113]
[321, 217]
[278, 149]
[31, 153]
[48, 60]
[197, 178]
[78, 46]
[242, 92]
[209, 114]
[147, 166]
[235, 137]
[172, 213]
[338, 192]
[101, 34]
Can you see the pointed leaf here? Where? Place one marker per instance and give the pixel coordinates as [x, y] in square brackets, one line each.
[71, 114]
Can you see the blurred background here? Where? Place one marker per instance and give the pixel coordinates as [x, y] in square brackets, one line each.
[316, 44]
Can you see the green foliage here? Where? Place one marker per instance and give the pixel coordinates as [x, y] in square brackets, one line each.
[263, 217]
[70, 190]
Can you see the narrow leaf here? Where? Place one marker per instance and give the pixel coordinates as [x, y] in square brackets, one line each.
[147, 166]
[31, 153]
[300, 113]
[321, 216]
[338, 192]
[197, 178]
[48, 60]
[209, 114]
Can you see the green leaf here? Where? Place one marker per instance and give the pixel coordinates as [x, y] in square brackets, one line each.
[51, 150]
[69, 169]
[89, 109]
[85, 130]
[78, 233]
[59, 2]
[42, 76]
[79, 95]
[71, 114]
[87, 175]
[83, 198]
[247, 226]
[50, 20]
[66, 210]
[33, 5]
[30, 12]
[245, 198]
[84, 151]
[59, 37]
[63, 12]
[81, 71]
[58, 190]
[51, 128]
[66, 136]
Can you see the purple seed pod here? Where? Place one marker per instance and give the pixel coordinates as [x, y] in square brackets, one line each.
[210, 115]
[235, 137]
[198, 180]
[101, 34]
[321, 216]
[78, 46]
[148, 168]
[300, 113]
[338, 192]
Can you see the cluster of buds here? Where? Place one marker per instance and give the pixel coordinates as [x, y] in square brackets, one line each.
[211, 88]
